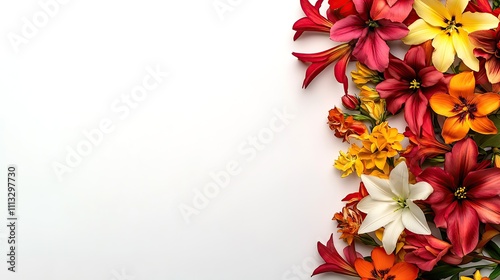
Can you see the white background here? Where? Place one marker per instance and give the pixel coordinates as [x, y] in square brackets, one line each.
[116, 215]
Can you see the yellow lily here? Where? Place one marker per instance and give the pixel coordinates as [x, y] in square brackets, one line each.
[449, 27]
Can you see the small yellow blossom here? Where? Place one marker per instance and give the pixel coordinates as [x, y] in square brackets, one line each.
[364, 75]
[477, 276]
[376, 110]
[369, 94]
[349, 162]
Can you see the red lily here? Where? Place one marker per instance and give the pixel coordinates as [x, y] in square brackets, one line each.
[422, 147]
[465, 193]
[394, 10]
[319, 61]
[314, 21]
[487, 43]
[371, 32]
[334, 262]
[411, 82]
[426, 250]
[353, 199]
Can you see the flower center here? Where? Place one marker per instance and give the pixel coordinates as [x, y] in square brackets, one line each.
[414, 84]
[452, 25]
[372, 24]
[461, 193]
[465, 109]
[401, 202]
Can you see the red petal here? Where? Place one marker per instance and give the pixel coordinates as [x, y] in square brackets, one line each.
[389, 30]
[348, 29]
[484, 40]
[492, 67]
[461, 160]
[372, 51]
[463, 229]
[483, 183]
[415, 57]
[430, 76]
[488, 210]
[395, 92]
[415, 110]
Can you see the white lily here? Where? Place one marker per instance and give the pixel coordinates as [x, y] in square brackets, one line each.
[390, 204]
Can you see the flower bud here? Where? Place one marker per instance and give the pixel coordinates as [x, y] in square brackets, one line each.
[350, 102]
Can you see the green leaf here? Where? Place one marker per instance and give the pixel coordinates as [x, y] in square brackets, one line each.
[495, 273]
[485, 141]
[443, 271]
[496, 4]
[493, 250]
[455, 277]
[368, 240]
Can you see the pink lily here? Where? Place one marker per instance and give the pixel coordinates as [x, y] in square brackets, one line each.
[371, 31]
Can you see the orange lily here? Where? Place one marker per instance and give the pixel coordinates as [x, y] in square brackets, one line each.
[383, 267]
[464, 108]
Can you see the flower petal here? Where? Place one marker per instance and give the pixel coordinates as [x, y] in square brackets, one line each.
[378, 188]
[463, 229]
[380, 216]
[432, 11]
[456, 7]
[414, 219]
[484, 40]
[483, 125]
[486, 103]
[488, 210]
[462, 85]
[461, 161]
[347, 29]
[364, 268]
[444, 52]
[389, 30]
[420, 191]
[415, 58]
[478, 21]
[455, 129]
[430, 76]
[372, 51]
[443, 104]
[420, 31]
[381, 260]
[403, 271]
[391, 234]
[492, 67]
[464, 48]
[399, 180]
[483, 183]
[415, 110]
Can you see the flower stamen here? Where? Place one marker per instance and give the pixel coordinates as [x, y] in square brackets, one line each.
[414, 84]
[461, 193]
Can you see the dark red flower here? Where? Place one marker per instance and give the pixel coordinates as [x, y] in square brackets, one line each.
[465, 194]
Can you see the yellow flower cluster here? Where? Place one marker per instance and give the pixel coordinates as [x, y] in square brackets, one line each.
[375, 156]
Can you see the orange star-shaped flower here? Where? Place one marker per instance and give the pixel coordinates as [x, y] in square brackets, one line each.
[464, 108]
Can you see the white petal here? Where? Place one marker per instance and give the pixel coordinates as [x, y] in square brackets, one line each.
[367, 204]
[399, 180]
[420, 191]
[414, 219]
[391, 234]
[379, 189]
[380, 216]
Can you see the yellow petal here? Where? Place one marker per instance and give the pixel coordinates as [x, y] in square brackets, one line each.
[454, 129]
[443, 104]
[462, 85]
[478, 21]
[464, 48]
[432, 11]
[444, 52]
[486, 103]
[483, 125]
[420, 31]
[456, 7]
